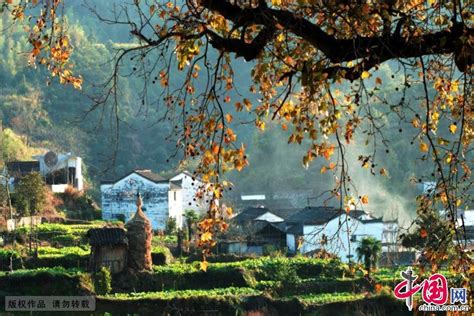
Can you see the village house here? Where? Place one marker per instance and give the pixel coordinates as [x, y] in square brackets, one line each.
[335, 231]
[108, 249]
[59, 171]
[190, 185]
[118, 197]
[163, 198]
[256, 229]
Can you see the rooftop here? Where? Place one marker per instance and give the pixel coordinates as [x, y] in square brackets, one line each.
[107, 236]
[145, 173]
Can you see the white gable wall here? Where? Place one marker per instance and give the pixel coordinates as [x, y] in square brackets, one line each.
[291, 242]
[121, 197]
[175, 201]
[189, 189]
[339, 242]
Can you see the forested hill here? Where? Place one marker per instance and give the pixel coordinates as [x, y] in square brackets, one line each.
[49, 116]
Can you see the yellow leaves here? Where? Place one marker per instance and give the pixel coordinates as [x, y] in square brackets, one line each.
[455, 86]
[248, 104]
[328, 152]
[229, 211]
[416, 123]
[238, 106]
[453, 128]
[449, 158]
[365, 74]
[299, 242]
[206, 236]
[238, 164]
[424, 147]
[276, 2]
[364, 199]
[280, 37]
[260, 124]
[349, 203]
[442, 141]
[383, 172]
[215, 149]
[228, 118]
[331, 166]
[203, 265]
[218, 22]
[152, 9]
[284, 127]
[230, 136]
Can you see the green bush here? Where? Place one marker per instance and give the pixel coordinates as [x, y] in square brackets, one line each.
[66, 240]
[44, 281]
[175, 277]
[161, 255]
[102, 281]
[5, 255]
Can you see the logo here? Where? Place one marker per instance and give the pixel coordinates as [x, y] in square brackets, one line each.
[434, 292]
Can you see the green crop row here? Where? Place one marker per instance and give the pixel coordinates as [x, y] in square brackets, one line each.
[167, 295]
[324, 298]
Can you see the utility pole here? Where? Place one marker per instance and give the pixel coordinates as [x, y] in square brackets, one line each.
[7, 185]
[7, 188]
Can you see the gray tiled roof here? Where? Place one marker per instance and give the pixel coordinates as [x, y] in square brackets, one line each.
[147, 174]
[319, 215]
[107, 236]
[250, 213]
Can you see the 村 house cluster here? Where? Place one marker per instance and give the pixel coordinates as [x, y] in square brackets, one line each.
[162, 198]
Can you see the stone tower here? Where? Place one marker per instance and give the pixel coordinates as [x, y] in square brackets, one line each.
[139, 235]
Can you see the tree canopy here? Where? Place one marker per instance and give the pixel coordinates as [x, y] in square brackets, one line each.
[317, 71]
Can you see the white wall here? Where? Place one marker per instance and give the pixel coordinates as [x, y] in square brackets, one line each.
[176, 206]
[291, 242]
[121, 197]
[338, 242]
[189, 189]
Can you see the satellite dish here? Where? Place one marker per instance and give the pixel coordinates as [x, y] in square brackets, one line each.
[51, 159]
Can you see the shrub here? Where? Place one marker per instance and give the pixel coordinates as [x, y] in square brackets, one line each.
[102, 281]
[5, 255]
[66, 240]
[161, 255]
[171, 226]
[44, 281]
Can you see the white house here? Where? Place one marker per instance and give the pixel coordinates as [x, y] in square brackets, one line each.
[335, 231]
[161, 198]
[190, 186]
[60, 171]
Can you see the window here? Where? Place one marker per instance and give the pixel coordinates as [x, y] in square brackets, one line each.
[174, 194]
[353, 238]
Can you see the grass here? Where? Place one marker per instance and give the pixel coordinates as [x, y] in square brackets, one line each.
[168, 295]
[50, 252]
[325, 298]
[33, 272]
